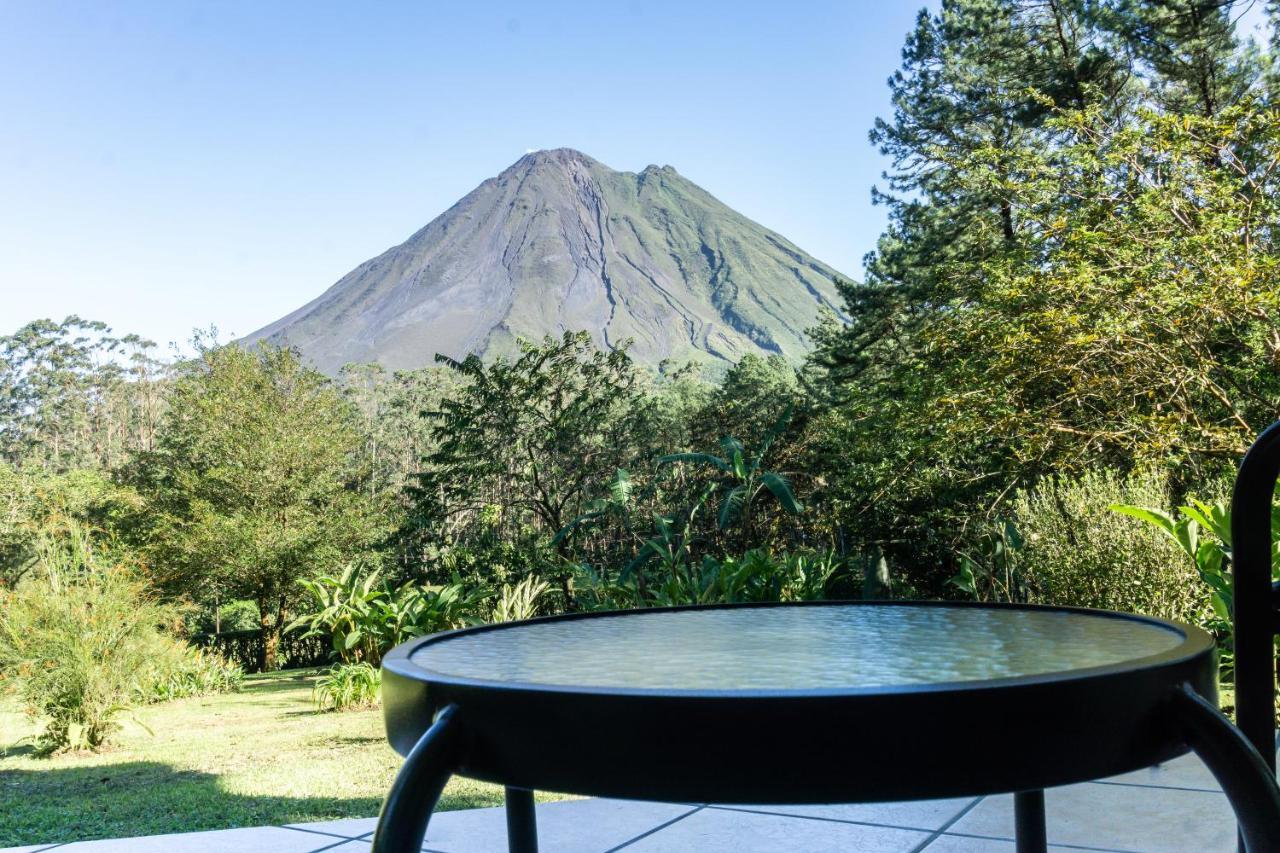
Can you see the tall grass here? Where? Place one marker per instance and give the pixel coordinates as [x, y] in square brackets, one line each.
[76, 635]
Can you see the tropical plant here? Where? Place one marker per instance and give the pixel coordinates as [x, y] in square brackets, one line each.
[521, 601]
[178, 671]
[1202, 531]
[363, 618]
[991, 573]
[349, 613]
[742, 479]
[668, 549]
[348, 687]
[760, 576]
[616, 506]
[420, 610]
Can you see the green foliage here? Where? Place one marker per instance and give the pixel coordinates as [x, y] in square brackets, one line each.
[991, 572]
[742, 479]
[33, 500]
[1202, 532]
[1078, 552]
[615, 507]
[757, 576]
[1079, 270]
[178, 671]
[351, 612]
[250, 486]
[363, 618]
[348, 687]
[72, 395]
[239, 615]
[522, 601]
[528, 436]
[77, 638]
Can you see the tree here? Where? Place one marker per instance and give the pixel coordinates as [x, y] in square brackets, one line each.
[529, 438]
[976, 74]
[74, 396]
[252, 485]
[1137, 320]
[1197, 64]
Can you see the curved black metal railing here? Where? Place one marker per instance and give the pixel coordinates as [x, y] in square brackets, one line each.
[1256, 599]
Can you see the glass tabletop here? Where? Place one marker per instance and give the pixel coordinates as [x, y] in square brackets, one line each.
[796, 648]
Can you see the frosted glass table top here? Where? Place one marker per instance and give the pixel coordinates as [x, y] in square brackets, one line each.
[823, 647]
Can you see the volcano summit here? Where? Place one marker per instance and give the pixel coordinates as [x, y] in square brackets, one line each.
[560, 241]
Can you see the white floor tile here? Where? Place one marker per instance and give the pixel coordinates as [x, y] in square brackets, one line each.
[1153, 820]
[922, 814]
[720, 831]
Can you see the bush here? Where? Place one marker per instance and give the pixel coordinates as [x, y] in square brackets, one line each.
[348, 686]
[1076, 551]
[178, 671]
[76, 636]
[757, 576]
[522, 601]
[363, 618]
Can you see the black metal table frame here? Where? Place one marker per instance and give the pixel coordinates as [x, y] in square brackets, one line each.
[1241, 759]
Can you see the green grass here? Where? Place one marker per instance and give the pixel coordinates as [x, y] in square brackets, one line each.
[262, 756]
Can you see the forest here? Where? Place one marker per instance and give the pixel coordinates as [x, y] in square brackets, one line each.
[1066, 338]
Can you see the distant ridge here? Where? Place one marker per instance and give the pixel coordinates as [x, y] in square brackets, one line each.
[560, 241]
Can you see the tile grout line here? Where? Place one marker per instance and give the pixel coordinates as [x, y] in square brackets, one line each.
[323, 832]
[1150, 786]
[656, 829]
[937, 833]
[337, 843]
[1059, 844]
[795, 816]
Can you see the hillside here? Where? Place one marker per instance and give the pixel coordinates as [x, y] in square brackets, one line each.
[559, 241]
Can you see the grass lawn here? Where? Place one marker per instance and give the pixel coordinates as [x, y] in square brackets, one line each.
[258, 757]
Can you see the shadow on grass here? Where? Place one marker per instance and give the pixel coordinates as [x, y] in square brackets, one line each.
[143, 798]
[275, 685]
[150, 798]
[355, 741]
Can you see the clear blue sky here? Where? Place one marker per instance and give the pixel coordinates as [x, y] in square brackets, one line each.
[170, 165]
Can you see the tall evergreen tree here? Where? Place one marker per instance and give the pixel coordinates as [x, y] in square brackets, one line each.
[1194, 61]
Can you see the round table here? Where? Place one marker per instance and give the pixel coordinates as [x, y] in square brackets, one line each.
[815, 702]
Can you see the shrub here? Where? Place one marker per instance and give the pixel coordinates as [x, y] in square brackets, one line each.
[363, 618]
[758, 575]
[348, 686]
[178, 671]
[1076, 551]
[1202, 532]
[76, 635]
[521, 601]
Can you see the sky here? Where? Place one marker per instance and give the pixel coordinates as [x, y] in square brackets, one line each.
[168, 166]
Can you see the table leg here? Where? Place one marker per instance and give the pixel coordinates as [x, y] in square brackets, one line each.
[522, 822]
[1028, 821]
[1246, 779]
[408, 806]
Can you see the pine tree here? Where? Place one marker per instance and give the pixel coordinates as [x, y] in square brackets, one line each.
[1189, 51]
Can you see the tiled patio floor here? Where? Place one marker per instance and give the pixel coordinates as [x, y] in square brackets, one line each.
[1176, 807]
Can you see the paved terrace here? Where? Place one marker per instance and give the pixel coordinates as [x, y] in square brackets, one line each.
[1174, 807]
